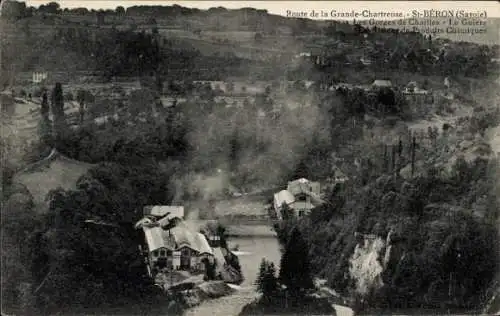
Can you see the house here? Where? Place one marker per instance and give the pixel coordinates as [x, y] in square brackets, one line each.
[39, 76]
[185, 243]
[303, 54]
[382, 84]
[169, 101]
[342, 85]
[412, 88]
[282, 198]
[176, 248]
[159, 248]
[301, 196]
[204, 249]
[303, 185]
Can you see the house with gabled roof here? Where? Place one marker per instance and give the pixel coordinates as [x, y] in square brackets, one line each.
[301, 196]
[173, 246]
[378, 83]
[159, 248]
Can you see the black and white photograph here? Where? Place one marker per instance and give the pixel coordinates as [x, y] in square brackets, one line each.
[246, 158]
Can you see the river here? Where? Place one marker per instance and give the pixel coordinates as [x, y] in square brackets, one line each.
[251, 252]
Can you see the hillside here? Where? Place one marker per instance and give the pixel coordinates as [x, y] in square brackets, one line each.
[219, 43]
[53, 172]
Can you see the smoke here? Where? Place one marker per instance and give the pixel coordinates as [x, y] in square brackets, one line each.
[265, 148]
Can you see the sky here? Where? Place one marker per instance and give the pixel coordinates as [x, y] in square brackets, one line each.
[281, 7]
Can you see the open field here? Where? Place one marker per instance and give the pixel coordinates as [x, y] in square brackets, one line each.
[54, 172]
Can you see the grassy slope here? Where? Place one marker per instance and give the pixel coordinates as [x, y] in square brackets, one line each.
[58, 172]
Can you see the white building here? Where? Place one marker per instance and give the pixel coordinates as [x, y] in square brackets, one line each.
[39, 77]
[301, 196]
[175, 248]
[159, 247]
[382, 84]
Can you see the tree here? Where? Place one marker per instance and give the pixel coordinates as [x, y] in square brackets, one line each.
[221, 231]
[120, 10]
[58, 112]
[210, 269]
[51, 8]
[80, 98]
[14, 10]
[44, 110]
[260, 275]
[100, 17]
[295, 271]
[266, 282]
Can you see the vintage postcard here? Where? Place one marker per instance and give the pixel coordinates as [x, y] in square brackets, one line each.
[237, 158]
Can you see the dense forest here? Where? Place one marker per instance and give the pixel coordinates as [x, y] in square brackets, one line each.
[443, 253]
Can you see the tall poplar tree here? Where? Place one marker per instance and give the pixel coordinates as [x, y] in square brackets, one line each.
[295, 271]
[58, 113]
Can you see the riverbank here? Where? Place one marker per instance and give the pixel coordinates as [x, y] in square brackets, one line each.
[250, 253]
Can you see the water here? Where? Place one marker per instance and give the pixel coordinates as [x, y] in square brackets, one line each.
[251, 252]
